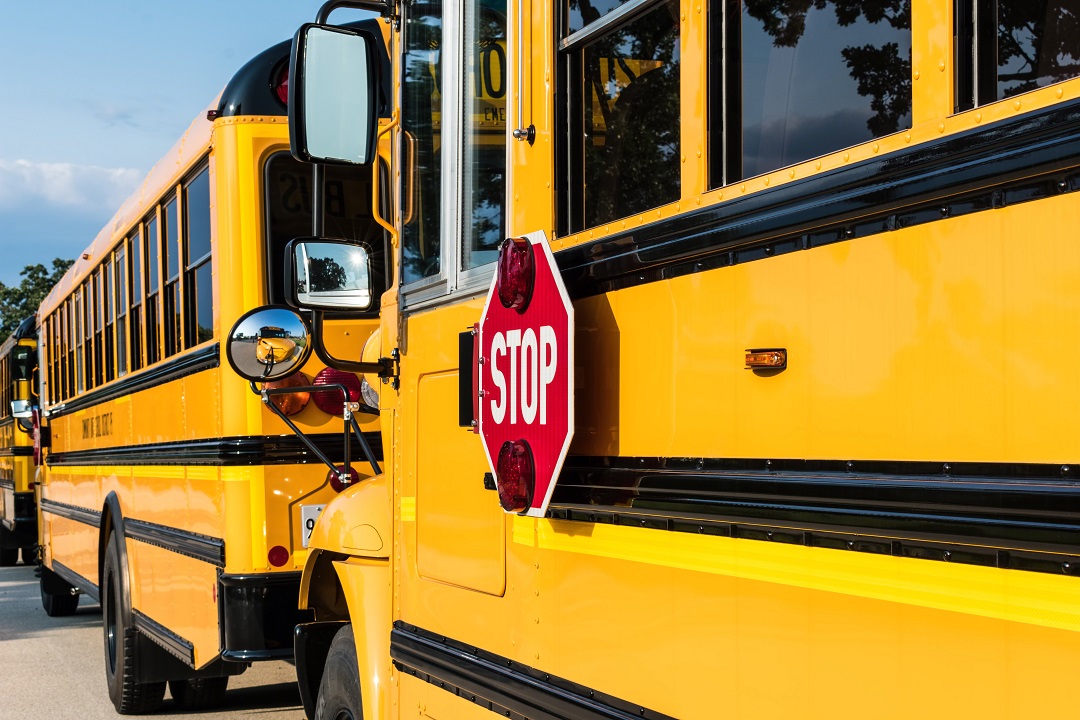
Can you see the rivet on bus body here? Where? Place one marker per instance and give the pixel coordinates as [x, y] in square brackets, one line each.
[743, 188]
[1059, 92]
[978, 117]
[683, 157]
[792, 174]
[847, 156]
[907, 137]
[766, 182]
[941, 127]
[941, 66]
[699, 153]
[818, 167]
[1016, 105]
[916, 74]
[876, 147]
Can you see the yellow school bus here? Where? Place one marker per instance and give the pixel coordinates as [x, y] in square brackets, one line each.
[18, 398]
[823, 284]
[171, 493]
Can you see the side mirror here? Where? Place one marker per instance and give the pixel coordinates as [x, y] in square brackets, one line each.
[329, 274]
[268, 343]
[332, 91]
[21, 409]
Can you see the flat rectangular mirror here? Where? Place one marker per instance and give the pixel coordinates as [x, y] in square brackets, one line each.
[332, 95]
[330, 274]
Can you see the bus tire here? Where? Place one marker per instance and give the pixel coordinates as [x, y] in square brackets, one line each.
[339, 691]
[199, 693]
[57, 598]
[9, 556]
[128, 696]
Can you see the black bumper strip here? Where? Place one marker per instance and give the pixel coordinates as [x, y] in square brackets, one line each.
[76, 580]
[194, 362]
[172, 643]
[1004, 515]
[71, 512]
[201, 547]
[17, 451]
[500, 684]
[221, 452]
[1018, 160]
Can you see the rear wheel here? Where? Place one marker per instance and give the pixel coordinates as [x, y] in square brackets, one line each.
[199, 693]
[339, 691]
[128, 697]
[58, 598]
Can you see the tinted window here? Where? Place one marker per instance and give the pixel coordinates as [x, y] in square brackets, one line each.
[422, 103]
[818, 77]
[1038, 43]
[584, 12]
[197, 212]
[624, 120]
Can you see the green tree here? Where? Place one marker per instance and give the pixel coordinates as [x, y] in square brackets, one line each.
[18, 302]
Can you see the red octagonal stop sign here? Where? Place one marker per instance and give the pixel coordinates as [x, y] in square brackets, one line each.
[526, 357]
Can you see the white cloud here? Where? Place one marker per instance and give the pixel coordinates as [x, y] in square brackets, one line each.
[66, 185]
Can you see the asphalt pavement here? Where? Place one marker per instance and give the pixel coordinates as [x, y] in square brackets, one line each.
[54, 667]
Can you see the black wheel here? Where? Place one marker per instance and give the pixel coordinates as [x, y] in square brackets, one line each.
[339, 691]
[128, 697]
[57, 598]
[200, 693]
[9, 556]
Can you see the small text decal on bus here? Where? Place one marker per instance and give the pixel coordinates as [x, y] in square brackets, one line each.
[97, 426]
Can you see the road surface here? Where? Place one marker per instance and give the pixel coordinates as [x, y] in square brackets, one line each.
[55, 667]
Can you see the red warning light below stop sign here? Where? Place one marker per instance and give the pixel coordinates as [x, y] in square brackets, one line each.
[526, 375]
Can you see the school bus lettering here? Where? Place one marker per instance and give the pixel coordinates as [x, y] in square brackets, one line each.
[97, 426]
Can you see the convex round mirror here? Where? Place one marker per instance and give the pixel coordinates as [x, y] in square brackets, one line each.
[268, 343]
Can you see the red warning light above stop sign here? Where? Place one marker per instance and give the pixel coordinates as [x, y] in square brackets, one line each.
[526, 374]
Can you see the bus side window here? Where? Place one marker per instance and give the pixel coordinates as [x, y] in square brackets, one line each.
[623, 111]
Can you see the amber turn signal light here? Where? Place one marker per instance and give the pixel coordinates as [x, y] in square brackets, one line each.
[766, 359]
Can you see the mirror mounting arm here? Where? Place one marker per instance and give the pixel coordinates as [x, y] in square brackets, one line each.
[384, 367]
[386, 8]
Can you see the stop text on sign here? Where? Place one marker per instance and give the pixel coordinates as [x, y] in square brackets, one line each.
[523, 364]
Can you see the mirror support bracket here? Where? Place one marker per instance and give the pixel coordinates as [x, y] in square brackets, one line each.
[351, 426]
[386, 368]
[386, 8]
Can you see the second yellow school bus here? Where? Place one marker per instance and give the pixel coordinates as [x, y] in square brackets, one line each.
[170, 493]
[826, 288]
[18, 465]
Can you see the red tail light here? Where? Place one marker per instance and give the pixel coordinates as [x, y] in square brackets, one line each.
[335, 479]
[293, 402]
[281, 84]
[278, 556]
[516, 272]
[515, 476]
[330, 401]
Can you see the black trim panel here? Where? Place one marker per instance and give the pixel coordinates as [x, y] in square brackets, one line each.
[1013, 161]
[207, 358]
[76, 580]
[1021, 516]
[183, 650]
[193, 545]
[249, 450]
[501, 685]
[71, 512]
[17, 451]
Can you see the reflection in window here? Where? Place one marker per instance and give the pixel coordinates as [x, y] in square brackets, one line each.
[484, 133]
[1038, 44]
[421, 122]
[627, 84]
[818, 77]
[198, 295]
[584, 12]
[347, 214]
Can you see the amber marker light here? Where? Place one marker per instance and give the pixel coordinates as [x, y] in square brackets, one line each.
[766, 359]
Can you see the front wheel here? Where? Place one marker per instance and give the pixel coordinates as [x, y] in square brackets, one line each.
[339, 691]
[128, 697]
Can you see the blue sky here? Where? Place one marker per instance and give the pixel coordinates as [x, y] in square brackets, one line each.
[94, 93]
